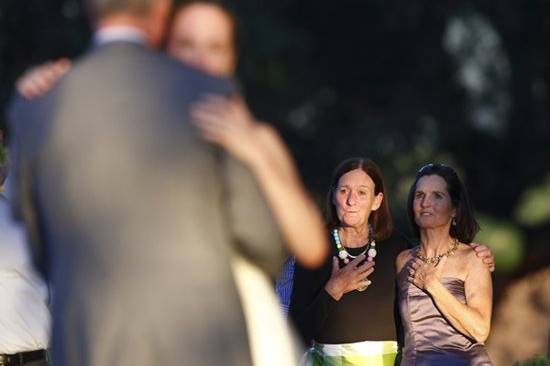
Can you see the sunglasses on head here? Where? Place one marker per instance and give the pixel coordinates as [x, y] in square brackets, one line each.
[433, 166]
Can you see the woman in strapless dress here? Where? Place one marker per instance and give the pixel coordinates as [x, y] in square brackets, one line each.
[444, 293]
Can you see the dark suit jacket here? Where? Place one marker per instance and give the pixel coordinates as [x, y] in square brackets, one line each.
[135, 216]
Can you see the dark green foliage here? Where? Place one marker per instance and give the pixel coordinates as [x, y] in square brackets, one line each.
[535, 361]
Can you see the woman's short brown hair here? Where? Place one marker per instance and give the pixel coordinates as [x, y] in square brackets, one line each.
[381, 220]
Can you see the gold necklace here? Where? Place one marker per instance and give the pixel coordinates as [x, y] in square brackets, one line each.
[435, 260]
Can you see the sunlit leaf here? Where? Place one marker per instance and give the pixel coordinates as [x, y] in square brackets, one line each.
[534, 205]
[505, 240]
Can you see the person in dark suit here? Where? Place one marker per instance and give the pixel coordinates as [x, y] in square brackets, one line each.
[131, 213]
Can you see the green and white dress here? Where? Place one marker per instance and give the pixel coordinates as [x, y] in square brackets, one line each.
[357, 330]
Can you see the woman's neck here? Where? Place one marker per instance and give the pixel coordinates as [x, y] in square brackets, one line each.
[433, 242]
[354, 237]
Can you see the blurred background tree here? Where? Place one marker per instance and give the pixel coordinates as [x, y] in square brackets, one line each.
[403, 82]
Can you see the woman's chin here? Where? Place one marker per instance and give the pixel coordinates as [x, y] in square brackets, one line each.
[352, 223]
[430, 224]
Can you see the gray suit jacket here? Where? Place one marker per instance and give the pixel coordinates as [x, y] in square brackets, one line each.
[135, 217]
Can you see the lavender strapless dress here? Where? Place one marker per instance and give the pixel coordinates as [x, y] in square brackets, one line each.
[429, 338]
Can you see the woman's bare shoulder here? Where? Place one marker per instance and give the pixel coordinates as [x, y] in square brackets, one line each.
[469, 259]
[402, 259]
[465, 251]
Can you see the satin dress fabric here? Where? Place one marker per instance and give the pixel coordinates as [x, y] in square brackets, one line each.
[429, 338]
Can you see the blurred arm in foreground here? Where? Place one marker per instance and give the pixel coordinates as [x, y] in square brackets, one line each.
[229, 123]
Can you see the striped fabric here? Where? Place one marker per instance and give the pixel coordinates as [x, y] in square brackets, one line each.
[351, 354]
[284, 283]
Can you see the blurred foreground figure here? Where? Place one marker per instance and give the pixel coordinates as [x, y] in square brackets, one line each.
[203, 34]
[24, 313]
[132, 214]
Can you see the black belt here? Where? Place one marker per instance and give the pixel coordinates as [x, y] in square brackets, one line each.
[22, 358]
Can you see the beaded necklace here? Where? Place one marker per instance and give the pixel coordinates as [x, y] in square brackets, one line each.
[345, 256]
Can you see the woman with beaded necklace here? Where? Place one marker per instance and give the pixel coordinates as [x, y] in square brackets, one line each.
[444, 292]
[330, 306]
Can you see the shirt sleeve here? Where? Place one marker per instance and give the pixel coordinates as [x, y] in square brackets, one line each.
[284, 283]
[311, 304]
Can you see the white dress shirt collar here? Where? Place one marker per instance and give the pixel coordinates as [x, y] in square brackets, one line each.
[119, 33]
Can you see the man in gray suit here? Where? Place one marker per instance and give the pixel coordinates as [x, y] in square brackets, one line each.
[132, 214]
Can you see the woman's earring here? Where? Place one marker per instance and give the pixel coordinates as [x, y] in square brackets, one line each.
[454, 221]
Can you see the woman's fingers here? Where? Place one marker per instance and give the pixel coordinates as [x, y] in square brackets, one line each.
[485, 253]
[359, 276]
[207, 110]
[209, 119]
[413, 276]
[413, 269]
[210, 105]
[362, 285]
[209, 129]
[215, 112]
[241, 112]
[215, 101]
[356, 261]
[335, 265]
[365, 269]
[416, 263]
[361, 280]
[39, 80]
[368, 272]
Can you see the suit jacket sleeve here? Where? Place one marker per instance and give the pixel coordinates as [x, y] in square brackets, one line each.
[23, 126]
[253, 227]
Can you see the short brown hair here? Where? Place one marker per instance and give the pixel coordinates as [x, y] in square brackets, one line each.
[381, 220]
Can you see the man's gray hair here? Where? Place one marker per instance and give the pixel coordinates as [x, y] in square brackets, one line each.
[98, 9]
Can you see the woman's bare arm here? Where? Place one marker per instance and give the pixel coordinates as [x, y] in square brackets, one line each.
[473, 319]
[227, 122]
